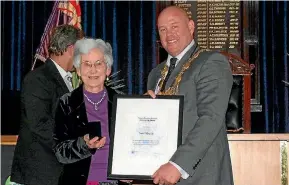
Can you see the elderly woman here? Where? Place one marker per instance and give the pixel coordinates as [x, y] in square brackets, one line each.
[85, 159]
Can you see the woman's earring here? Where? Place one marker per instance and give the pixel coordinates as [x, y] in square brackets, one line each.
[107, 79]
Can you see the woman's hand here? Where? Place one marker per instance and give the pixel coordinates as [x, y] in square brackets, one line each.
[94, 142]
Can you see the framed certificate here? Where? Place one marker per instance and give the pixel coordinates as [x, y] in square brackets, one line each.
[145, 133]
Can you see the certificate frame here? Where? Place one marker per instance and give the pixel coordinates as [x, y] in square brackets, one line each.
[130, 141]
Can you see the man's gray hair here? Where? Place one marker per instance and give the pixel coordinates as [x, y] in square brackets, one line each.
[84, 46]
[62, 37]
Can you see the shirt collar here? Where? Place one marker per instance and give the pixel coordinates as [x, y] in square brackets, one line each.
[180, 56]
[62, 72]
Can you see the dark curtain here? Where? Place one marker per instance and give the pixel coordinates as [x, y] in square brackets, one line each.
[130, 27]
[22, 25]
[274, 65]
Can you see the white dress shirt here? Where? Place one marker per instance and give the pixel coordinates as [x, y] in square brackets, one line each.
[64, 75]
[180, 56]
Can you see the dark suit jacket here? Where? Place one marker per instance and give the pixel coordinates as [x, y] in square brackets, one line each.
[206, 86]
[70, 126]
[34, 162]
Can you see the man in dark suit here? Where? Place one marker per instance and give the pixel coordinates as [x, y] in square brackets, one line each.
[34, 162]
[205, 79]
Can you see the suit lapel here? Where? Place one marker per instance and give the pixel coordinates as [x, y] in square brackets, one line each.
[178, 68]
[52, 70]
[77, 105]
[158, 75]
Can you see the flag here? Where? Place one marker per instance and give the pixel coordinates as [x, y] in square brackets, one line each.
[63, 12]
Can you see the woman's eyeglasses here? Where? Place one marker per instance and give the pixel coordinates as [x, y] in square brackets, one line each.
[97, 64]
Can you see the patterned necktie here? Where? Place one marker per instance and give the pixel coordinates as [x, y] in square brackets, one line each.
[171, 68]
[69, 82]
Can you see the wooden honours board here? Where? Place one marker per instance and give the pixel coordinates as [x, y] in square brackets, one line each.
[217, 23]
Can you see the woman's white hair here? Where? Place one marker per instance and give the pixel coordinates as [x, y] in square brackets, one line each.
[83, 46]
